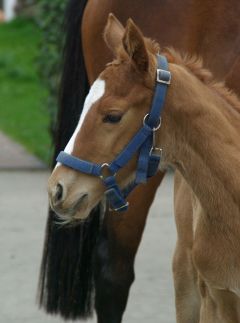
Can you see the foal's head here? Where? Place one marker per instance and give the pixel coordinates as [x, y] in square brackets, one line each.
[113, 112]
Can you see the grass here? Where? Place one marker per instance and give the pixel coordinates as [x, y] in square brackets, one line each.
[22, 113]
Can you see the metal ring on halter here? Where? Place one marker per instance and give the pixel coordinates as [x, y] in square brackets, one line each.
[105, 165]
[155, 128]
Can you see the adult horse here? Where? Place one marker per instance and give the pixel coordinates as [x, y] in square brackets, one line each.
[193, 26]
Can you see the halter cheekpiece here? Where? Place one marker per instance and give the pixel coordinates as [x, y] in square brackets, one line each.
[143, 142]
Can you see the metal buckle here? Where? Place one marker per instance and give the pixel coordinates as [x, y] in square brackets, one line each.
[121, 207]
[154, 147]
[163, 76]
[157, 150]
[155, 128]
[102, 176]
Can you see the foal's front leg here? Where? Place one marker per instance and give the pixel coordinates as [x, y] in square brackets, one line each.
[187, 296]
[116, 250]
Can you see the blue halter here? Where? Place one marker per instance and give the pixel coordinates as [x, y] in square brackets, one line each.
[143, 141]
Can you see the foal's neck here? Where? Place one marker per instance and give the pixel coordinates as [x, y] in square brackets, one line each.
[201, 140]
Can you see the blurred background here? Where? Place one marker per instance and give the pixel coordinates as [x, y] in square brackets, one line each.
[30, 37]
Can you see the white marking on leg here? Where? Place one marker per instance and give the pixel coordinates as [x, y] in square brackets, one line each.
[96, 92]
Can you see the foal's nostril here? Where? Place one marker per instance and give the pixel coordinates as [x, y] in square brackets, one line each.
[59, 193]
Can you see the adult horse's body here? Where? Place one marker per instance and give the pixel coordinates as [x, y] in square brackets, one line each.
[194, 26]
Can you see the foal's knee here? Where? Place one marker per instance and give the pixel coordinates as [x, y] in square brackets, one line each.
[182, 264]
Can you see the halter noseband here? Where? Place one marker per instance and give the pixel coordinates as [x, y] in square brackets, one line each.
[144, 142]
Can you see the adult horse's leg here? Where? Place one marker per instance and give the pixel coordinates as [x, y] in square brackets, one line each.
[187, 296]
[116, 250]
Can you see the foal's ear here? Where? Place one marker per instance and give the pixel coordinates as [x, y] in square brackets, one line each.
[134, 44]
[113, 33]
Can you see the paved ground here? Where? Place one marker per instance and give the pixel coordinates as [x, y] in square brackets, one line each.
[14, 156]
[23, 209]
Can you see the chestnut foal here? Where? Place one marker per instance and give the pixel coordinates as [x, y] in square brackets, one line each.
[199, 137]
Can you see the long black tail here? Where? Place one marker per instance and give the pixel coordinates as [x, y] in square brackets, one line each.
[66, 277]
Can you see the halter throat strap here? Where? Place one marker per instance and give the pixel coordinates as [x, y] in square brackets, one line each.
[143, 142]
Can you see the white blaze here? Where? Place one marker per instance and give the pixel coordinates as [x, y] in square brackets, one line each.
[96, 92]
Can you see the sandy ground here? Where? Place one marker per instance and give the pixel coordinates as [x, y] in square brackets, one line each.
[23, 205]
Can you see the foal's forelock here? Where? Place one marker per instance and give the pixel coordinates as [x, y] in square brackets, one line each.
[97, 90]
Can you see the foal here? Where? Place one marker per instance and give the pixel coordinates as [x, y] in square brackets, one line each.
[199, 137]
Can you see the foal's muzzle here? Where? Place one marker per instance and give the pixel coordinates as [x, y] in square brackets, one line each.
[57, 197]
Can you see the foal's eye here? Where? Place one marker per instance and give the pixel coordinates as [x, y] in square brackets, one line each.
[112, 118]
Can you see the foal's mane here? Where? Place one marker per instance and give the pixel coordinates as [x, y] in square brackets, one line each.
[195, 65]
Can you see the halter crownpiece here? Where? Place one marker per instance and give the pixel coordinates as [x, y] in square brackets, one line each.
[144, 142]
